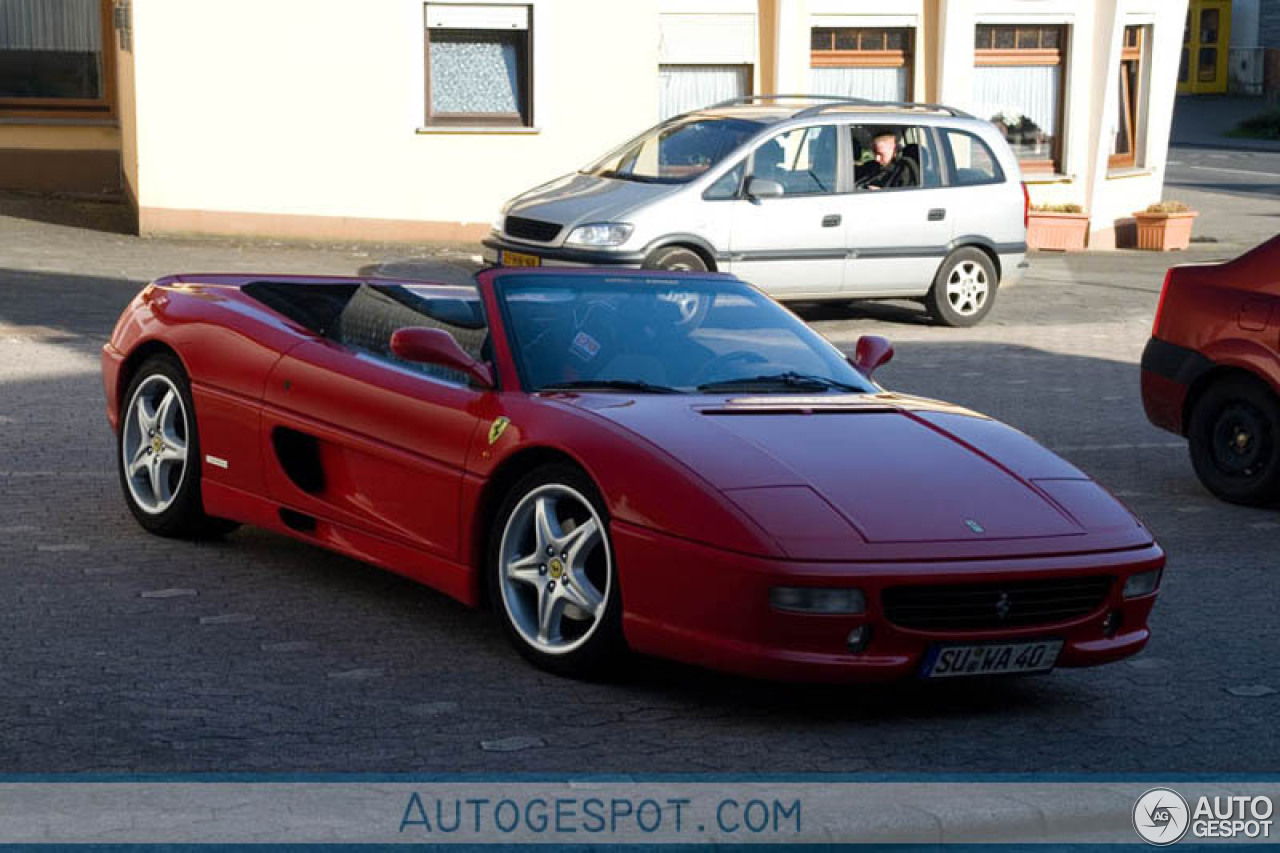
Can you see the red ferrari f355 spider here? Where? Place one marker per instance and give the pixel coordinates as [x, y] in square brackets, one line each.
[670, 463]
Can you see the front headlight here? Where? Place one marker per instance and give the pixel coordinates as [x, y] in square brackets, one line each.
[801, 599]
[1141, 584]
[599, 234]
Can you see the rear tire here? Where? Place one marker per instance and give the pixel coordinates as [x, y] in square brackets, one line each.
[964, 288]
[693, 308]
[158, 454]
[1234, 440]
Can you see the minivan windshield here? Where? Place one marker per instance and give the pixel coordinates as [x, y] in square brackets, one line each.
[668, 335]
[677, 152]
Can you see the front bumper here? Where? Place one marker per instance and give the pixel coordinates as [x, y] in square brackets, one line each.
[709, 607]
[1168, 372]
[557, 256]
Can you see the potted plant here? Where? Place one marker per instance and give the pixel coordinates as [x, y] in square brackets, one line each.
[1060, 227]
[1165, 226]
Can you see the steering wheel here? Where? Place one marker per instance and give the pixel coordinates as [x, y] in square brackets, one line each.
[738, 355]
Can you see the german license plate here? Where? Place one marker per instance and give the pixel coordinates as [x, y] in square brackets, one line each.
[519, 259]
[991, 659]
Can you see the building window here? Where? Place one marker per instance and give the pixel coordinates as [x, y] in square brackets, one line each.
[1130, 100]
[1018, 86]
[682, 88]
[52, 59]
[857, 62]
[478, 65]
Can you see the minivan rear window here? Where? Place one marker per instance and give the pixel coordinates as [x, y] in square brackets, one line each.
[676, 153]
[970, 160]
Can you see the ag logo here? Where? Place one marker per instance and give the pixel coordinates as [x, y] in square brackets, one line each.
[1161, 816]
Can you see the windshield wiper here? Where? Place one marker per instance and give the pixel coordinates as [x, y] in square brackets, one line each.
[610, 385]
[789, 379]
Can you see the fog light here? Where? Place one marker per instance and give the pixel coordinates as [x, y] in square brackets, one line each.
[859, 638]
[1111, 624]
[1143, 583]
[800, 599]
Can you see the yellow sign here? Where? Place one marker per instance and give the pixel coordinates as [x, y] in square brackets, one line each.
[497, 428]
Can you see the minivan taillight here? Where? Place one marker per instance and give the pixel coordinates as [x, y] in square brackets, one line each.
[1164, 292]
[1026, 205]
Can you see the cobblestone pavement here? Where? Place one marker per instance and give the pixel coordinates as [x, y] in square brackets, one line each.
[124, 652]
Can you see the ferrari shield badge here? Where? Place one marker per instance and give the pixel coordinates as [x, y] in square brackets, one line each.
[497, 428]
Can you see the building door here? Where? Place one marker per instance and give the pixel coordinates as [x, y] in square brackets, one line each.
[1205, 45]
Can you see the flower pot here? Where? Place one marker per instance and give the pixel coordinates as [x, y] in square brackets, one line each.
[1057, 231]
[1163, 232]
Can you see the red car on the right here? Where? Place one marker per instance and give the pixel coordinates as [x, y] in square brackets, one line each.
[1211, 371]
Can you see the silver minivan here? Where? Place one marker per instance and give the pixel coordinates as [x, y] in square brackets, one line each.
[807, 197]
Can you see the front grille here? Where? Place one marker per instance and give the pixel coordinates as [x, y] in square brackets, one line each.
[980, 606]
[530, 229]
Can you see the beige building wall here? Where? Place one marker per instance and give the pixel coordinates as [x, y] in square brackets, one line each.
[305, 117]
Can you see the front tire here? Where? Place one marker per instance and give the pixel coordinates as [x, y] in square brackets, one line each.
[964, 288]
[552, 576]
[158, 454]
[1234, 440]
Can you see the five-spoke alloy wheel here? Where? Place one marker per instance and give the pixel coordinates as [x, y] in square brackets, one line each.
[159, 453]
[964, 288]
[552, 575]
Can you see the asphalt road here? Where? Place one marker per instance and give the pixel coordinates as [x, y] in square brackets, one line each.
[123, 652]
[1254, 173]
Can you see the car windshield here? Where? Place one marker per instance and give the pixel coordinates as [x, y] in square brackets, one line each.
[677, 152]
[663, 335]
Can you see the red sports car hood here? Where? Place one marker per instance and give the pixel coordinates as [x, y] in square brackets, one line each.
[884, 476]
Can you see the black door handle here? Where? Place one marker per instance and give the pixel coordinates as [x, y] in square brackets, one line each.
[937, 214]
[831, 220]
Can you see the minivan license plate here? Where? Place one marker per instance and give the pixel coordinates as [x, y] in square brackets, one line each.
[991, 659]
[520, 259]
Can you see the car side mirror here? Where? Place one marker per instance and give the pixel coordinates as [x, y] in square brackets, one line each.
[436, 346]
[871, 353]
[758, 188]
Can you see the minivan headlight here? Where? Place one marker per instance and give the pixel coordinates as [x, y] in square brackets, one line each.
[599, 234]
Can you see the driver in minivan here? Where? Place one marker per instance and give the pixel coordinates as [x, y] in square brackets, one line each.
[889, 168]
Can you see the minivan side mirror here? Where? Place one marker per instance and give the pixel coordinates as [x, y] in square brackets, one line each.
[758, 188]
[871, 352]
[436, 346]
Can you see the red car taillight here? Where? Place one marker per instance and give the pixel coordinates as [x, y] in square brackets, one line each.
[1164, 291]
[1026, 205]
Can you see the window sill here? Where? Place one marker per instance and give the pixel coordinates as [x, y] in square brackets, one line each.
[473, 129]
[1118, 174]
[1046, 178]
[59, 121]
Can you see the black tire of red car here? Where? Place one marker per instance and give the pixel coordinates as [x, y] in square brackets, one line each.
[1234, 439]
[182, 515]
[964, 288]
[596, 651]
[693, 308]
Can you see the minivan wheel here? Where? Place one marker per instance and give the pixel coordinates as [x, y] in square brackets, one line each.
[552, 576]
[1234, 440]
[964, 288]
[693, 307]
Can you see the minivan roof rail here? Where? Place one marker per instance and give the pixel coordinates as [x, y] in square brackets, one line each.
[751, 99]
[834, 102]
[901, 105]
